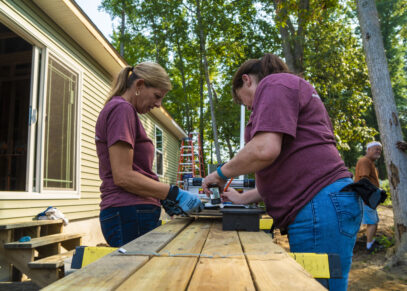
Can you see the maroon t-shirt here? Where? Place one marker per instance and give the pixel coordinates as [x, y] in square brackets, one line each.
[118, 121]
[309, 159]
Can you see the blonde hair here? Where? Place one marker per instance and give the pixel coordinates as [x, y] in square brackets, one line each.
[152, 73]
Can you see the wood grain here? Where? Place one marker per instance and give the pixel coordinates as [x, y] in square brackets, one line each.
[173, 269]
[271, 267]
[109, 272]
[222, 265]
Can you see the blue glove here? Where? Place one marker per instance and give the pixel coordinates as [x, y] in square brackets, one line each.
[189, 202]
[179, 201]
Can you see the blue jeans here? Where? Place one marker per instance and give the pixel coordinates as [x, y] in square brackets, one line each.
[121, 225]
[369, 215]
[329, 224]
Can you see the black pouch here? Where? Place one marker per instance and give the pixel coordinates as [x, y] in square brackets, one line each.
[371, 195]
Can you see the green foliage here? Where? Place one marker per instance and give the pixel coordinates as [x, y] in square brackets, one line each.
[385, 241]
[323, 34]
[384, 184]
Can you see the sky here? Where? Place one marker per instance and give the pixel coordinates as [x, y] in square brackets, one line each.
[101, 19]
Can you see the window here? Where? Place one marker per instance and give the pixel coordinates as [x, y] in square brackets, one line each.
[159, 151]
[60, 127]
[38, 121]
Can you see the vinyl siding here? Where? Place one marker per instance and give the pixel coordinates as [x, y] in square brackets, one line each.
[93, 91]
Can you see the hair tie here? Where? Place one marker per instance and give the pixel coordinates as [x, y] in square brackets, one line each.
[130, 72]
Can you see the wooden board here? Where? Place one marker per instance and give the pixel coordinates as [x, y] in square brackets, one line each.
[221, 274]
[190, 241]
[52, 262]
[29, 223]
[172, 269]
[222, 265]
[272, 268]
[41, 241]
[155, 240]
[113, 269]
[162, 273]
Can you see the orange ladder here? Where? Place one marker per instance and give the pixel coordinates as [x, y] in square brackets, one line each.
[190, 163]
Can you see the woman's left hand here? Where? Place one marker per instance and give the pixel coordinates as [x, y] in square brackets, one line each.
[233, 196]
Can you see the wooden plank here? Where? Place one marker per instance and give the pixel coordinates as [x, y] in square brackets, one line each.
[110, 271]
[32, 231]
[162, 273]
[222, 243]
[29, 224]
[190, 241]
[41, 241]
[173, 272]
[21, 258]
[51, 229]
[221, 274]
[155, 240]
[49, 250]
[72, 243]
[6, 236]
[222, 265]
[271, 267]
[52, 262]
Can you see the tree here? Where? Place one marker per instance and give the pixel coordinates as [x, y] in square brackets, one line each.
[393, 20]
[202, 41]
[387, 117]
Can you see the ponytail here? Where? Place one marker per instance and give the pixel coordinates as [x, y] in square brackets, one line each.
[120, 83]
[152, 73]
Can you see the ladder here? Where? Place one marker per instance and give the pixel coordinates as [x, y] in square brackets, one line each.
[190, 163]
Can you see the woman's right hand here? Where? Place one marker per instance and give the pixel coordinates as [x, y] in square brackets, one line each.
[232, 195]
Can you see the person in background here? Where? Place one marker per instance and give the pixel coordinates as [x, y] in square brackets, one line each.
[290, 146]
[131, 192]
[365, 168]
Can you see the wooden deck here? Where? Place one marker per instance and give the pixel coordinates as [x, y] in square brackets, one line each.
[188, 254]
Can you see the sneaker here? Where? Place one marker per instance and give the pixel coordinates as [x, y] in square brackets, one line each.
[375, 247]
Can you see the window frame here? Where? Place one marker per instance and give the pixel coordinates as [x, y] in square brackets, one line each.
[41, 142]
[36, 136]
[160, 151]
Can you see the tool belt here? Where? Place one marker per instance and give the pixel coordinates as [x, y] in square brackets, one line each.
[371, 195]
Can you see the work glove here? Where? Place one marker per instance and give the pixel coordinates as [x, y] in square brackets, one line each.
[179, 201]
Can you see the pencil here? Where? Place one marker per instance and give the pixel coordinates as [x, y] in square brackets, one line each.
[227, 186]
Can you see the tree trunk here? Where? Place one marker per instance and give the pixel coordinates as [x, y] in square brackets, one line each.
[122, 29]
[201, 105]
[184, 86]
[229, 144]
[292, 41]
[208, 82]
[389, 125]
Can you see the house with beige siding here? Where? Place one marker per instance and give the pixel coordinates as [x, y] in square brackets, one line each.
[55, 73]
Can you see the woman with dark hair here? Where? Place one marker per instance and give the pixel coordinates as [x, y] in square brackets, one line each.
[131, 193]
[290, 146]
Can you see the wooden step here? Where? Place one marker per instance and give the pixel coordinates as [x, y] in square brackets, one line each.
[52, 262]
[29, 224]
[42, 241]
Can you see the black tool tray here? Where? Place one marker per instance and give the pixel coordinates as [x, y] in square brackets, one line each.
[241, 218]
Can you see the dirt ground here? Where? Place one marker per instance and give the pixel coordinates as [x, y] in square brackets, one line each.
[368, 272]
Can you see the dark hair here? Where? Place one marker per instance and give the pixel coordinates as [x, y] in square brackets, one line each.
[260, 68]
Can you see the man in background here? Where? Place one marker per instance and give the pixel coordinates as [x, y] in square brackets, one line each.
[365, 168]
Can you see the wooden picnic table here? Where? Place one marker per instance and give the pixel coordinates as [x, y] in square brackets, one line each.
[193, 254]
